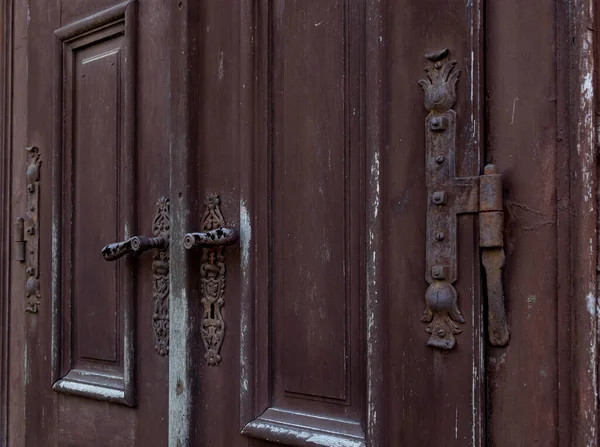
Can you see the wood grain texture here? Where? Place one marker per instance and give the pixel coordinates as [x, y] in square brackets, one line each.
[523, 140]
[16, 138]
[376, 320]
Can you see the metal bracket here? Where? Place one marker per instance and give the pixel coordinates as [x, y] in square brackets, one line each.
[161, 230]
[212, 240]
[450, 196]
[27, 232]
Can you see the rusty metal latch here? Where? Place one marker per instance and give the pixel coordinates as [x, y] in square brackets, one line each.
[450, 196]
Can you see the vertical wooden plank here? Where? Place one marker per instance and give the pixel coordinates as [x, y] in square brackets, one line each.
[439, 395]
[152, 116]
[306, 117]
[183, 139]
[250, 136]
[376, 297]
[563, 222]
[16, 139]
[584, 323]
[541, 114]
[41, 407]
[218, 156]
[6, 15]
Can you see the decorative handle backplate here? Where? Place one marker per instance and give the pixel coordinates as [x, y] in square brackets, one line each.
[450, 196]
[27, 232]
[213, 240]
[161, 230]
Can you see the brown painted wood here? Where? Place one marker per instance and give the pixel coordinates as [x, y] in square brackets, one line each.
[5, 126]
[522, 99]
[307, 120]
[439, 393]
[16, 137]
[102, 172]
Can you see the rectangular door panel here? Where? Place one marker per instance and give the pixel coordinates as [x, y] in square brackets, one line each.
[93, 177]
[309, 230]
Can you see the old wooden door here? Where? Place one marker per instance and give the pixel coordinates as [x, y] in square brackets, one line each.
[308, 120]
[90, 102]
[319, 184]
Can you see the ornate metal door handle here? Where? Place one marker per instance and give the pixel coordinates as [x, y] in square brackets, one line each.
[213, 240]
[449, 196]
[161, 229]
[136, 244]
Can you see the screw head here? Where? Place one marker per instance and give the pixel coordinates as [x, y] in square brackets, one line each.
[439, 159]
[439, 272]
[438, 123]
[439, 198]
[441, 333]
[438, 65]
[440, 236]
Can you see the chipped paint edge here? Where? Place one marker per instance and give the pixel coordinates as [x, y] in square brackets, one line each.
[583, 226]
[271, 431]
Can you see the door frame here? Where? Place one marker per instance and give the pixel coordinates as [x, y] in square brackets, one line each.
[6, 15]
[582, 218]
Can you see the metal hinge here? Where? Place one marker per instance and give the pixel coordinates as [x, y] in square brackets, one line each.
[450, 196]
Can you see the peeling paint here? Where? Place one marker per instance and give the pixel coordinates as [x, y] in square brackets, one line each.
[372, 293]
[375, 176]
[245, 234]
[26, 368]
[456, 423]
[591, 305]
[274, 432]
[90, 390]
[220, 69]
[330, 441]
[245, 366]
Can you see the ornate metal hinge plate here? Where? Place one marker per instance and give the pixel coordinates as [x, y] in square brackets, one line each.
[449, 196]
[28, 232]
[212, 240]
[161, 231]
